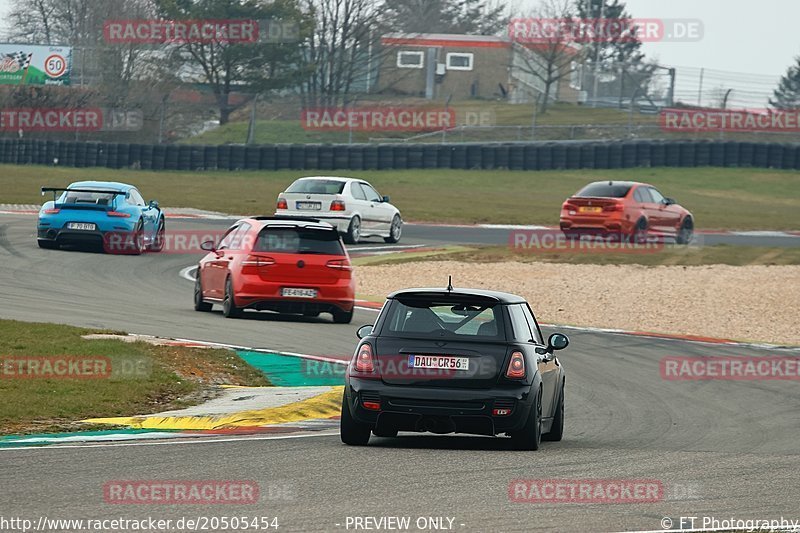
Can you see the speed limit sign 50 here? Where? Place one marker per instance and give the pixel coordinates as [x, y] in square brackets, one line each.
[55, 65]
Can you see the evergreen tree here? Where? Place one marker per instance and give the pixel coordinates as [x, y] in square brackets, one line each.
[787, 95]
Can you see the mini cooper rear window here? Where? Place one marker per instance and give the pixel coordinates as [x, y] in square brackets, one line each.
[316, 187]
[445, 319]
[298, 241]
[604, 190]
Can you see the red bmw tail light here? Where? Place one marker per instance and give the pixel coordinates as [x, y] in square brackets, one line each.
[118, 214]
[618, 206]
[516, 367]
[282, 203]
[337, 205]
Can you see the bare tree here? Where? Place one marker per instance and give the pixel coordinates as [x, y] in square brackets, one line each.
[551, 58]
[344, 37]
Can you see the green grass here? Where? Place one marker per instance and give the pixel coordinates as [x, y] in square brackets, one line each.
[670, 255]
[720, 198]
[282, 125]
[168, 377]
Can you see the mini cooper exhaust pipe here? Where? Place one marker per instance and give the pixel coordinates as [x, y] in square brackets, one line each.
[437, 425]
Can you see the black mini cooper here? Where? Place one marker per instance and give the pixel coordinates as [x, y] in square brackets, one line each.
[455, 361]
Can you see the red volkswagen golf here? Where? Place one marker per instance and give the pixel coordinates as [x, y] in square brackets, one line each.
[628, 209]
[297, 266]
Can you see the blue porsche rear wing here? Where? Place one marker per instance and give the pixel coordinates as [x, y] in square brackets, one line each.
[56, 190]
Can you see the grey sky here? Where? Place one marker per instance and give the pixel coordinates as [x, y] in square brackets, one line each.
[752, 38]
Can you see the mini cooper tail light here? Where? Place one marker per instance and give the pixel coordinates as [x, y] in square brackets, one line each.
[282, 203]
[372, 406]
[516, 367]
[363, 362]
[337, 205]
[52, 211]
[118, 214]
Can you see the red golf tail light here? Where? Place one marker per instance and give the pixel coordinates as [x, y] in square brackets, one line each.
[253, 263]
[516, 367]
[339, 264]
[52, 211]
[372, 406]
[118, 214]
[337, 205]
[364, 362]
[282, 203]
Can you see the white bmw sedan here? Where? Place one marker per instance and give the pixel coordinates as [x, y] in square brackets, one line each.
[352, 205]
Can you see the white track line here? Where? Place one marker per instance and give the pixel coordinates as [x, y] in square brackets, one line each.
[177, 441]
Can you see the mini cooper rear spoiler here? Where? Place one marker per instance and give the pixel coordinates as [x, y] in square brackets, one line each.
[56, 190]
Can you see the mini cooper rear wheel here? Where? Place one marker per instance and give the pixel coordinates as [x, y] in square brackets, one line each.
[351, 431]
[229, 309]
[530, 436]
[557, 429]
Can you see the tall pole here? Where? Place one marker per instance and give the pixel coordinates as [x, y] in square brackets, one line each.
[251, 130]
[700, 88]
[597, 54]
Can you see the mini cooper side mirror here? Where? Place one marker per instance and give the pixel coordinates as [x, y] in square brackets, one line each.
[363, 331]
[557, 341]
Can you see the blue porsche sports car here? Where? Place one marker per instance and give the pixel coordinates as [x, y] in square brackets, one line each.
[101, 212]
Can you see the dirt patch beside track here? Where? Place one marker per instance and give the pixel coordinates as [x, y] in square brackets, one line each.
[748, 303]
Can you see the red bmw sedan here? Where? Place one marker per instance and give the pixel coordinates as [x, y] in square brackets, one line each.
[628, 209]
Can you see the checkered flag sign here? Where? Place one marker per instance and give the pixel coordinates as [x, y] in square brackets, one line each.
[23, 59]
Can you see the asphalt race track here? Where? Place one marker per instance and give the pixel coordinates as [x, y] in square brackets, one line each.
[723, 449]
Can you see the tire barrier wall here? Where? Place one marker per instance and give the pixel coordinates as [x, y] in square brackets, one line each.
[513, 156]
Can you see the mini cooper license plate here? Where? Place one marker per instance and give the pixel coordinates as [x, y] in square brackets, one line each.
[299, 293]
[83, 226]
[438, 362]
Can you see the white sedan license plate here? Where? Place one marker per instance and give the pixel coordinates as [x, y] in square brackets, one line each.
[84, 226]
[438, 362]
[299, 293]
[314, 206]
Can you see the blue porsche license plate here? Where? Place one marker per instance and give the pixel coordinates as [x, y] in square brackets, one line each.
[82, 226]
